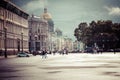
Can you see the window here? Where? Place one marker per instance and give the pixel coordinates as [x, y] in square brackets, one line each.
[39, 37]
[30, 38]
[38, 30]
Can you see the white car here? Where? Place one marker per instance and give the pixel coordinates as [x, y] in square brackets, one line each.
[23, 54]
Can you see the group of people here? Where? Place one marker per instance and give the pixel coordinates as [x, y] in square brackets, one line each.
[44, 52]
[64, 52]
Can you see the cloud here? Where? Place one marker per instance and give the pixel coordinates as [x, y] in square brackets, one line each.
[113, 10]
[34, 5]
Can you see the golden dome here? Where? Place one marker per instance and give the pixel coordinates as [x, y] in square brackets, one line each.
[47, 16]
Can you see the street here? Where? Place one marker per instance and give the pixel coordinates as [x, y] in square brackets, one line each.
[84, 66]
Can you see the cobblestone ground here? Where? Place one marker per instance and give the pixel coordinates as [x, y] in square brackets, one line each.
[104, 66]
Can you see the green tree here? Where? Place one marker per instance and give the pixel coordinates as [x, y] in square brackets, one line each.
[103, 33]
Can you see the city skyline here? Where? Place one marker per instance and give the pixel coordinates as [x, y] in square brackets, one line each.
[67, 14]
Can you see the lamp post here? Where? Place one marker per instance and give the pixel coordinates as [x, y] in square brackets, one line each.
[18, 44]
[5, 42]
[35, 48]
[5, 35]
[22, 41]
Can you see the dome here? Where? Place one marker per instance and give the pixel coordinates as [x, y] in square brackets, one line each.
[47, 16]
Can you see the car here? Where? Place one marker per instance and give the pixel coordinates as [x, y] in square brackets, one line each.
[88, 50]
[23, 54]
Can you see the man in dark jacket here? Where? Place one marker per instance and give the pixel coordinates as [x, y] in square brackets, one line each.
[44, 54]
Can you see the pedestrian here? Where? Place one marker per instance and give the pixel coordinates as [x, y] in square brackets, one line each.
[1, 52]
[44, 54]
[95, 50]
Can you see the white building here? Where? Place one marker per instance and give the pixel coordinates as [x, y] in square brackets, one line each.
[68, 44]
[61, 42]
[38, 34]
[77, 46]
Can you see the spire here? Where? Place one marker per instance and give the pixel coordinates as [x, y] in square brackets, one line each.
[45, 3]
[45, 10]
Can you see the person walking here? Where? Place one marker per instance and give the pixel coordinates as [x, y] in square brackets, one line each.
[44, 54]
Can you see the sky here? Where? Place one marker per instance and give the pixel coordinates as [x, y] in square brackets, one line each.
[68, 14]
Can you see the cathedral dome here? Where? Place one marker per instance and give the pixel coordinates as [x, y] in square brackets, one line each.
[46, 15]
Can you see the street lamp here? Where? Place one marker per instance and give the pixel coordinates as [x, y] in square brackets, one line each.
[35, 42]
[22, 41]
[5, 42]
[18, 44]
[5, 35]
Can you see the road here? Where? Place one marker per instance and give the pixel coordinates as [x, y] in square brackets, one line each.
[62, 67]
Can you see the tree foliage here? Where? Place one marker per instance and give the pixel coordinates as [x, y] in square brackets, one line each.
[104, 33]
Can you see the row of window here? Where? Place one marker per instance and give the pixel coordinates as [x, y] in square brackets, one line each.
[39, 44]
[39, 37]
[38, 29]
[12, 28]
[13, 17]
[12, 43]
[1, 25]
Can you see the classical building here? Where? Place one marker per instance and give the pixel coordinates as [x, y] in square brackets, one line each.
[13, 28]
[38, 34]
[47, 16]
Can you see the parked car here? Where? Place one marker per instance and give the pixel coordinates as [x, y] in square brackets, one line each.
[23, 54]
[88, 50]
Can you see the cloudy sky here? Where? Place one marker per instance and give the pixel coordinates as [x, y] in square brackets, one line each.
[67, 14]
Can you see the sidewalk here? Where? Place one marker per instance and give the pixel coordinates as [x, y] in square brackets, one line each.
[9, 56]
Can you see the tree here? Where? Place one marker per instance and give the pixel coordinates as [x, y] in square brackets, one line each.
[103, 33]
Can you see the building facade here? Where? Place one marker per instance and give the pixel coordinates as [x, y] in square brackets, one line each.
[78, 46]
[47, 16]
[68, 44]
[13, 28]
[38, 34]
[61, 42]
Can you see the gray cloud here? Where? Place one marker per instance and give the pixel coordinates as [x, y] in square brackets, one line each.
[33, 5]
[113, 10]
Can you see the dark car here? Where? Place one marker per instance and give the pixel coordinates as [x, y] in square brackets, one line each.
[88, 50]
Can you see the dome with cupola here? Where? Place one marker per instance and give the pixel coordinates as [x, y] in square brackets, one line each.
[46, 15]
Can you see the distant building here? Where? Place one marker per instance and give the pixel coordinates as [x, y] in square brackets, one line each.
[57, 40]
[38, 34]
[58, 32]
[14, 21]
[68, 44]
[77, 46]
[60, 42]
